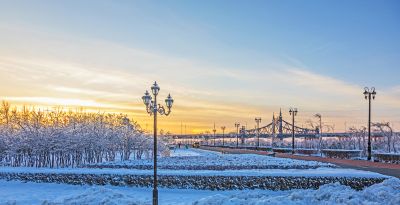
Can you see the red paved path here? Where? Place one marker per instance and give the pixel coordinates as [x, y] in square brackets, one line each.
[383, 168]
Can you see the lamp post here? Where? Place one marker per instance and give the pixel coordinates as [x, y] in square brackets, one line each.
[153, 108]
[237, 133]
[369, 93]
[243, 135]
[258, 120]
[320, 131]
[214, 130]
[223, 135]
[293, 112]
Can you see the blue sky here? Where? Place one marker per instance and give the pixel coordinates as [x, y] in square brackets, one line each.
[255, 56]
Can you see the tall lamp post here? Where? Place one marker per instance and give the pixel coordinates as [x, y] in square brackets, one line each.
[293, 112]
[319, 116]
[214, 130]
[237, 133]
[223, 135]
[258, 120]
[153, 108]
[369, 93]
[243, 135]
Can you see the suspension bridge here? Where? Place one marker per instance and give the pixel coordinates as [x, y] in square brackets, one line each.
[279, 128]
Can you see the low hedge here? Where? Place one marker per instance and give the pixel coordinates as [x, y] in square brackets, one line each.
[342, 154]
[387, 157]
[282, 150]
[307, 151]
[204, 167]
[194, 182]
[298, 151]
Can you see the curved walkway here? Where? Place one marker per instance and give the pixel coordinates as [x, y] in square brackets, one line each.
[382, 168]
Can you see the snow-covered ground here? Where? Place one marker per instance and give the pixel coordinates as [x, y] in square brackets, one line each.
[232, 165]
[195, 159]
[12, 192]
[386, 193]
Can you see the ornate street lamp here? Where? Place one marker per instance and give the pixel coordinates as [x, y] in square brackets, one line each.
[258, 120]
[293, 112]
[153, 108]
[369, 93]
[223, 135]
[237, 133]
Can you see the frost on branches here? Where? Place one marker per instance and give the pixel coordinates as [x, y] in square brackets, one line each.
[33, 138]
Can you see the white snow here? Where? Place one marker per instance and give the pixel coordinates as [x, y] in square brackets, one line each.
[201, 159]
[190, 157]
[14, 192]
[188, 153]
[97, 195]
[386, 193]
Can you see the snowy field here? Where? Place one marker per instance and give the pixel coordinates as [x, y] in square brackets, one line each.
[195, 159]
[182, 163]
[386, 193]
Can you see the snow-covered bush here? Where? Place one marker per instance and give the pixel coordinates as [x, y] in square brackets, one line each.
[193, 159]
[59, 138]
[342, 154]
[210, 182]
[387, 157]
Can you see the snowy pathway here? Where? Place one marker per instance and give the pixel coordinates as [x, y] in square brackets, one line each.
[378, 167]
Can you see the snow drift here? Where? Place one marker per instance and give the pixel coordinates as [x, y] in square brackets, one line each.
[387, 193]
[95, 196]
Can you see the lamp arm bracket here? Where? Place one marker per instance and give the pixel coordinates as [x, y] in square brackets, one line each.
[162, 110]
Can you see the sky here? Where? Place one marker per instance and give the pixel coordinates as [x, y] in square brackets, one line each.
[222, 61]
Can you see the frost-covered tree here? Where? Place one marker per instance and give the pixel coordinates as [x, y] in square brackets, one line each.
[58, 138]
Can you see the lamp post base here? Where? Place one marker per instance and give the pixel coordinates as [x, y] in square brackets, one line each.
[369, 150]
[155, 197]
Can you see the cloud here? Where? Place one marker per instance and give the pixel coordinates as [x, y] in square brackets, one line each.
[41, 68]
[320, 83]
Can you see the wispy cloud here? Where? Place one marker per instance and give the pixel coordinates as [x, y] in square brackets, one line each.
[110, 76]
